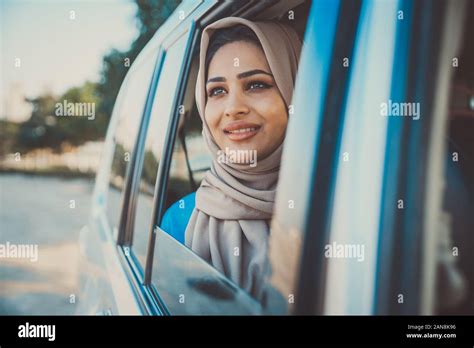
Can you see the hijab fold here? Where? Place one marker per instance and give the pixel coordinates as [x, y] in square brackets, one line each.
[229, 226]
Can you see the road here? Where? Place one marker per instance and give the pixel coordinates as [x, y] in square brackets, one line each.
[47, 212]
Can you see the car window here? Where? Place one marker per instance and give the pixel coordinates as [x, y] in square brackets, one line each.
[129, 117]
[155, 137]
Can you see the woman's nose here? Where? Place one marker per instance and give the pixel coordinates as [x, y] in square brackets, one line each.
[236, 105]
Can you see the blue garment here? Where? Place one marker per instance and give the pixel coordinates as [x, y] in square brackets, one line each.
[177, 216]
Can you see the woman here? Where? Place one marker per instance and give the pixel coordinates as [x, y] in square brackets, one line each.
[244, 87]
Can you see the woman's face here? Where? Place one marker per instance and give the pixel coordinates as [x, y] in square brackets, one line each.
[244, 109]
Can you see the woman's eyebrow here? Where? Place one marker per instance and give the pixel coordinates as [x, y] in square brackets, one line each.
[240, 76]
[216, 79]
[252, 72]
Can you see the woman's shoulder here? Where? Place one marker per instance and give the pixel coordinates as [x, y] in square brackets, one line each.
[177, 216]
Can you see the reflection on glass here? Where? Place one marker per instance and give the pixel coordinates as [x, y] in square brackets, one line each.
[129, 114]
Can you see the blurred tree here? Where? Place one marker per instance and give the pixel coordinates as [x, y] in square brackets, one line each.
[78, 130]
[8, 135]
[46, 129]
[35, 133]
[151, 14]
[150, 166]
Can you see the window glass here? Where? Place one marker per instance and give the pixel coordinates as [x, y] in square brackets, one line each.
[129, 115]
[156, 133]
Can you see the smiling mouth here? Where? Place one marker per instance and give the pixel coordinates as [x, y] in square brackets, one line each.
[242, 133]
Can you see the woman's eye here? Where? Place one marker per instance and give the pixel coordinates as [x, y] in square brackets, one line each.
[258, 85]
[216, 91]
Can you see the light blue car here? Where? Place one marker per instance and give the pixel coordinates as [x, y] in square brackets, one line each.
[378, 184]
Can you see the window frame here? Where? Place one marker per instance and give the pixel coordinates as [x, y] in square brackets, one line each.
[130, 262]
[102, 188]
[125, 236]
[167, 120]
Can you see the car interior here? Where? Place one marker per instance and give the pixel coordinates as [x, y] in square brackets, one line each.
[458, 200]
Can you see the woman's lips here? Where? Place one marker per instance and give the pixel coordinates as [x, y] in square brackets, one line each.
[240, 130]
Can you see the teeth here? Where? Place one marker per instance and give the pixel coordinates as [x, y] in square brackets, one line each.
[243, 130]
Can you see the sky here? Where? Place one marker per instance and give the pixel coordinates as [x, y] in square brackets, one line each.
[55, 47]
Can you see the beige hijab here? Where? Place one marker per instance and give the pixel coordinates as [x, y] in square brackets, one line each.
[229, 226]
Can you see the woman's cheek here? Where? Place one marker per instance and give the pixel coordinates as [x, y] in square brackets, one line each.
[212, 119]
[276, 120]
[273, 111]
